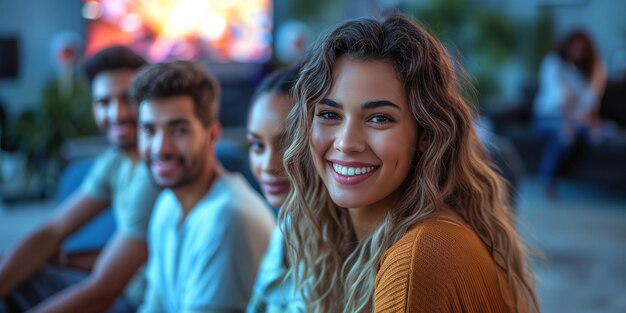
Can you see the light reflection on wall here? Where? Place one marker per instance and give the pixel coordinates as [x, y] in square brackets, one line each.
[218, 31]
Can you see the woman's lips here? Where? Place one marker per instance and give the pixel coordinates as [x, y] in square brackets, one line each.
[351, 173]
[275, 187]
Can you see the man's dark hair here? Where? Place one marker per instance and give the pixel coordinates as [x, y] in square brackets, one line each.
[112, 58]
[179, 78]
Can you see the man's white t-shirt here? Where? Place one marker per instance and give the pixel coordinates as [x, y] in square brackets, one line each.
[209, 260]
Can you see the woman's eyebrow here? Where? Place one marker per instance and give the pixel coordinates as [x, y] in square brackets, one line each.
[331, 103]
[253, 134]
[378, 104]
[367, 105]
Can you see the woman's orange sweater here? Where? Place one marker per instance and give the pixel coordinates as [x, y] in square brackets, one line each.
[440, 266]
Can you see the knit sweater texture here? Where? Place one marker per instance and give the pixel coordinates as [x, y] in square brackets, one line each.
[440, 265]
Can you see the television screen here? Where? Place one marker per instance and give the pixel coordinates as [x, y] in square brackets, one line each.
[9, 57]
[214, 31]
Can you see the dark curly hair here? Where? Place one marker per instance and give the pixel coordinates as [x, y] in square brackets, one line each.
[179, 78]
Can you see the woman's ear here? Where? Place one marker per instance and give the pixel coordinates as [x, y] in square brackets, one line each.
[423, 142]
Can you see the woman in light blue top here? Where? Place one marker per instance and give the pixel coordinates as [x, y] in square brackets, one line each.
[273, 290]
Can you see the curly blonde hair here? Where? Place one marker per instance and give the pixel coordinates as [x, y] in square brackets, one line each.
[336, 272]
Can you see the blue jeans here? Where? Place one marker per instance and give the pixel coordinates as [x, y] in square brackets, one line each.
[47, 282]
[557, 145]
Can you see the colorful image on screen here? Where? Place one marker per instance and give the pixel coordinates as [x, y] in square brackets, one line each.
[218, 31]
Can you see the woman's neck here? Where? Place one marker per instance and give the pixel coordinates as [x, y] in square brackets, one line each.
[365, 220]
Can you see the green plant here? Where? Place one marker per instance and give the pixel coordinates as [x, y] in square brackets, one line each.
[484, 39]
[540, 40]
[64, 114]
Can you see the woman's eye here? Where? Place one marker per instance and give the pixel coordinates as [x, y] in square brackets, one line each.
[327, 115]
[255, 146]
[103, 103]
[381, 119]
[147, 130]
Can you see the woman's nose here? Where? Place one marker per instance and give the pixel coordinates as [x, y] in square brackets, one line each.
[349, 138]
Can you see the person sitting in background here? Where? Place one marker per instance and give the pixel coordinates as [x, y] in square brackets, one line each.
[572, 79]
[271, 102]
[117, 179]
[210, 228]
[394, 206]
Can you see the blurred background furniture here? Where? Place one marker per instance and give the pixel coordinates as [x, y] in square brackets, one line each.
[601, 164]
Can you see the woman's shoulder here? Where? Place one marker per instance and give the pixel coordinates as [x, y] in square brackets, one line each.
[434, 258]
[434, 240]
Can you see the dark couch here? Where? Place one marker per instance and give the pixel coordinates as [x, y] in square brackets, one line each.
[603, 165]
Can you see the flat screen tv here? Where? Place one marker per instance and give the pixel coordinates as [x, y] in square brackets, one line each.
[212, 31]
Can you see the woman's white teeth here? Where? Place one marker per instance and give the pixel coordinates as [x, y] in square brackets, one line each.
[351, 171]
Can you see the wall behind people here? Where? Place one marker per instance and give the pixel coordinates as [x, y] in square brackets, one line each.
[35, 23]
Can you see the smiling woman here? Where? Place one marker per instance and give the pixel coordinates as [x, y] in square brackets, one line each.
[394, 207]
[271, 103]
[364, 125]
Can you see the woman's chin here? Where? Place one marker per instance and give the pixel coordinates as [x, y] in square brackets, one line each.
[276, 201]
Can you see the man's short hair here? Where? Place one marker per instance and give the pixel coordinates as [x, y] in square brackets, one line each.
[112, 58]
[179, 78]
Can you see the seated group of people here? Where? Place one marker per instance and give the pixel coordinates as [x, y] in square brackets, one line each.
[387, 201]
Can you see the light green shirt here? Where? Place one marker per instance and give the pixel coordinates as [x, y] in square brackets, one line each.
[130, 190]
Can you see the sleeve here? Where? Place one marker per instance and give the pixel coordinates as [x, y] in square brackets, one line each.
[97, 184]
[140, 201]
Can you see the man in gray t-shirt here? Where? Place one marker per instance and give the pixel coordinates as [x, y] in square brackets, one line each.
[117, 179]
